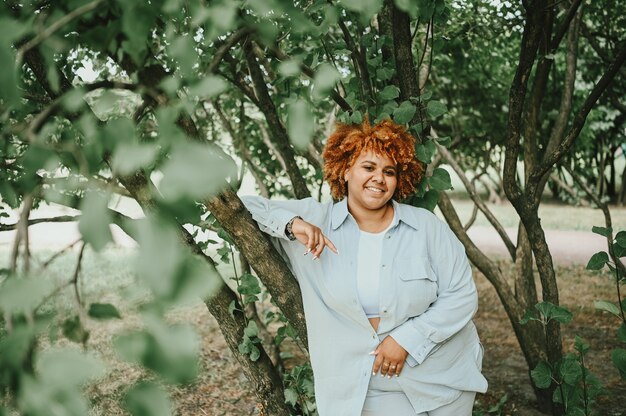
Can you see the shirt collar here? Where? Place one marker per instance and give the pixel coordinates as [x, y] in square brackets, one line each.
[402, 213]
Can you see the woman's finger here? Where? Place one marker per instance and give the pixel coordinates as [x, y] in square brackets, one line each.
[330, 245]
[377, 364]
[398, 368]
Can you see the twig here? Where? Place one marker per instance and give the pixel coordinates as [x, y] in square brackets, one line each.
[74, 280]
[50, 30]
[476, 198]
[21, 235]
[58, 253]
[62, 218]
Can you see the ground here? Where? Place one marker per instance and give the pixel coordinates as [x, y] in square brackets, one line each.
[221, 388]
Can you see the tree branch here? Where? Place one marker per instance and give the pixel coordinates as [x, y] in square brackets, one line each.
[50, 30]
[479, 203]
[277, 129]
[579, 120]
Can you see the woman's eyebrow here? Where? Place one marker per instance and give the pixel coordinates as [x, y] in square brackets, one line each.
[374, 163]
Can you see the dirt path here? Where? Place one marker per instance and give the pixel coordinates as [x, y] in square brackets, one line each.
[567, 247]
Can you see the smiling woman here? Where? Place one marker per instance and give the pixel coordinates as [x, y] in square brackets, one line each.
[389, 311]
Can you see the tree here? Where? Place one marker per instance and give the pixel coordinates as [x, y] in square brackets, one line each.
[196, 92]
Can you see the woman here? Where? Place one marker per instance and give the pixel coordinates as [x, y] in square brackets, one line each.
[389, 308]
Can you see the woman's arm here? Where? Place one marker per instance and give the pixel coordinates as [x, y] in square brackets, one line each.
[456, 304]
[273, 217]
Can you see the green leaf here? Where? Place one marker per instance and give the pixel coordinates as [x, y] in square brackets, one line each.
[169, 350]
[249, 285]
[620, 239]
[390, 92]
[291, 396]
[131, 156]
[22, 295]
[436, 109]
[366, 8]
[255, 353]
[196, 171]
[440, 180]
[618, 356]
[95, 219]
[529, 315]
[289, 68]
[605, 232]
[324, 80]
[429, 200]
[570, 370]
[8, 77]
[73, 330]
[209, 87]
[103, 311]
[597, 261]
[580, 345]
[384, 74]
[542, 375]
[425, 152]
[404, 113]
[66, 368]
[621, 332]
[300, 124]
[608, 307]
[137, 21]
[618, 251]
[551, 311]
[252, 330]
[74, 100]
[147, 399]
[356, 117]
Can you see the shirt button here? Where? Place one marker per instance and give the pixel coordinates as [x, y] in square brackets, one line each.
[384, 265]
[388, 237]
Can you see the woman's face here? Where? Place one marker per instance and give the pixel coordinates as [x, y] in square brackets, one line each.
[372, 181]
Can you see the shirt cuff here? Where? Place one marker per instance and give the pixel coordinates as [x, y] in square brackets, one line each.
[414, 342]
[276, 222]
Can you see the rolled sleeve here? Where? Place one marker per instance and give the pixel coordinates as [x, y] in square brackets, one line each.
[273, 216]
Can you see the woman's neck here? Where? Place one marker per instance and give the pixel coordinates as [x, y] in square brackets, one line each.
[372, 221]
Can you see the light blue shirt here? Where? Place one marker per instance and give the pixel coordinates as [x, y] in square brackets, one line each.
[427, 300]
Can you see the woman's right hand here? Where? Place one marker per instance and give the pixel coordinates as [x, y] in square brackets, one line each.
[311, 237]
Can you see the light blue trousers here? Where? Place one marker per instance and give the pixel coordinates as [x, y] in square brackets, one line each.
[385, 397]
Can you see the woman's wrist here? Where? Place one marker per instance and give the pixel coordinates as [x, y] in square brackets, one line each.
[289, 228]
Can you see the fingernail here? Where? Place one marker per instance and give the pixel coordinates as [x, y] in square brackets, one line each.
[372, 352]
[388, 376]
[315, 257]
[397, 375]
[307, 252]
[373, 373]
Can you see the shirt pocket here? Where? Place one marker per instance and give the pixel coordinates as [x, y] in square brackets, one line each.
[416, 286]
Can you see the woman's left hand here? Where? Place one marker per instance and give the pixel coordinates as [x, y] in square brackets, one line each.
[390, 358]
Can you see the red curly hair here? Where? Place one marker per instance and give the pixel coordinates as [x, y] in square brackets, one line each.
[386, 138]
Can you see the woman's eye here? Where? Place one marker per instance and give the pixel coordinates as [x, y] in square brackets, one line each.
[390, 173]
[368, 168]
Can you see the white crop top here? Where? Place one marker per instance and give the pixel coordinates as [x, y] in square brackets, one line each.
[369, 257]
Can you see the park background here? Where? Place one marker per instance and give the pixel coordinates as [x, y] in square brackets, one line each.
[126, 127]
